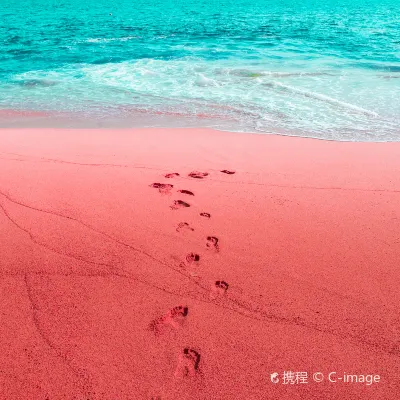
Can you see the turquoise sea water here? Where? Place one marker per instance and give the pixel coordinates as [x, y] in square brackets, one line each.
[326, 69]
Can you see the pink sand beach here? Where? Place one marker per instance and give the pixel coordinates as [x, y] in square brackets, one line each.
[176, 264]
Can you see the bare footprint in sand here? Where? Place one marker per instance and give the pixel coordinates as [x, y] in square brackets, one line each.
[174, 318]
[186, 192]
[225, 171]
[218, 289]
[171, 175]
[190, 259]
[179, 204]
[212, 243]
[184, 226]
[198, 175]
[188, 363]
[162, 187]
[206, 215]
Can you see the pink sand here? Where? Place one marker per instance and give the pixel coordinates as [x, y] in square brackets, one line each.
[93, 258]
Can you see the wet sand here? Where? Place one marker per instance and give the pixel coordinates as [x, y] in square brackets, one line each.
[192, 264]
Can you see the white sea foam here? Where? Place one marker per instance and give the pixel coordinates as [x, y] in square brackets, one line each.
[202, 80]
[325, 98]
[318, 102]
[107, 40]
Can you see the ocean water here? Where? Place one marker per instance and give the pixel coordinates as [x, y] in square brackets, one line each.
[326, 69]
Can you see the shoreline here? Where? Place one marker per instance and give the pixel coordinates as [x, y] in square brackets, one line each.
[99, 247]
[138, 119]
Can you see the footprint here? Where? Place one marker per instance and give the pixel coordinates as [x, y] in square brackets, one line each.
[225, 171]
[198, 175]
[171, 175]
[188, 363]
[193, 356]
[212, 242]
[186, 192]
[218, 289]
[173, 318]
[184, 226]
[204, 214]
[162, 187]
[179, 204]
[222, 285]
[192, 257]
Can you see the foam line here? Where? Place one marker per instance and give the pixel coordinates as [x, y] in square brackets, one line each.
[325, 98]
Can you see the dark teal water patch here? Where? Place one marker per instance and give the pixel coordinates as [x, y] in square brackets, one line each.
[377, 67]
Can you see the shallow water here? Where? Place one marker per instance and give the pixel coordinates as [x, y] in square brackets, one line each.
[322, 69]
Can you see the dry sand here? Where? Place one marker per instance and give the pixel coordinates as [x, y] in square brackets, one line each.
[110, 270]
